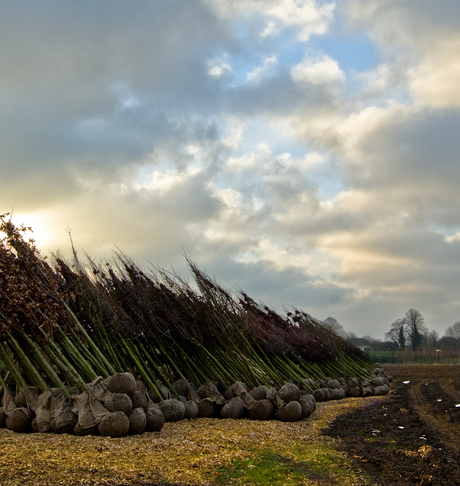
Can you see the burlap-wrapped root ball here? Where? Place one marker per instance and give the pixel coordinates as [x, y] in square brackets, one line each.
[262, 410]
[18, 421]
[355, 391]
[2, 418]
[289, 393]
[337, 394]
[206, 408]
[353, 382]
[259, 393]
[80, 431]
[210, 390]
[319, 395]
[290, 412]
[379, 381]
[334, 383]
[306, 384]
[381, 390]
[367, 391]
[181, 387]
[236, 389]
[64, 424]
[161, 393]
[114, 424]
[122, 383]
[312, 400]
[155, 419]
[20, 399]
[118, 402]
[172, 409]
[233, 409]
[308, 405]
[140, 400]
[378, 371]
[26, 397]
[137, 421]
[191, 409]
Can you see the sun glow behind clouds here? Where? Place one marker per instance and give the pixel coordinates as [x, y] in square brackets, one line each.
[166, 180]
[44, 231]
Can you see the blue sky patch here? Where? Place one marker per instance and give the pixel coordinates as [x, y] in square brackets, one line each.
[356, 53]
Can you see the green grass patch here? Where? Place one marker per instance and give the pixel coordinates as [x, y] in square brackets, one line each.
[382, 356]
[305, 464]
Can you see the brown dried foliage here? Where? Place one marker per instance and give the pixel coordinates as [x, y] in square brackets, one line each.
[31, 292]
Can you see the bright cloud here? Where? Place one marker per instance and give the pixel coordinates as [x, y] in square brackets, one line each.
[308, 16]
[322, 71]
[435, 81]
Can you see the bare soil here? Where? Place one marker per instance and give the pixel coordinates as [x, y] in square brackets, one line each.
[413, 437]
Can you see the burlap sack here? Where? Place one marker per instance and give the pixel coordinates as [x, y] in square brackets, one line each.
[88, 406]
[43, 411]
[17, 419]
[64, 418]
[210, 391]
[233, 409]
[122, 383]
[289, 393]
[140, 397]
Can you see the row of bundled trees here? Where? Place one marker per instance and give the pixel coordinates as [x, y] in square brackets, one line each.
[62, 324]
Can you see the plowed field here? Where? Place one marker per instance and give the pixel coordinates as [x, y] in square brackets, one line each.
[413, 437]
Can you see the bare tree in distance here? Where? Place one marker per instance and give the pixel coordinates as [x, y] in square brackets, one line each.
[334, 326]
[432, 339]
[398, 333]
[415, 327]
[453, 331]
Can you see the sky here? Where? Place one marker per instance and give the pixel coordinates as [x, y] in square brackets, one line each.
[304, 151]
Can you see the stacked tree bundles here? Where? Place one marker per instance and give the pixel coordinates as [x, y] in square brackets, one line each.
[65, 325]
[120, 405]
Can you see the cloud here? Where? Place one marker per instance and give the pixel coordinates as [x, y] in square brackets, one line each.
[307, 16]
[435, 81]
[218, 68]
[221, 129]
[423, 37]
[324, 70]
[259, 72]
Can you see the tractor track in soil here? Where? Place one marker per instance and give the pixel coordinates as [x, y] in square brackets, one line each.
[436, 415]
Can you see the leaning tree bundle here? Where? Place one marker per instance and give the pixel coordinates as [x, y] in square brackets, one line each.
[64, 324]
